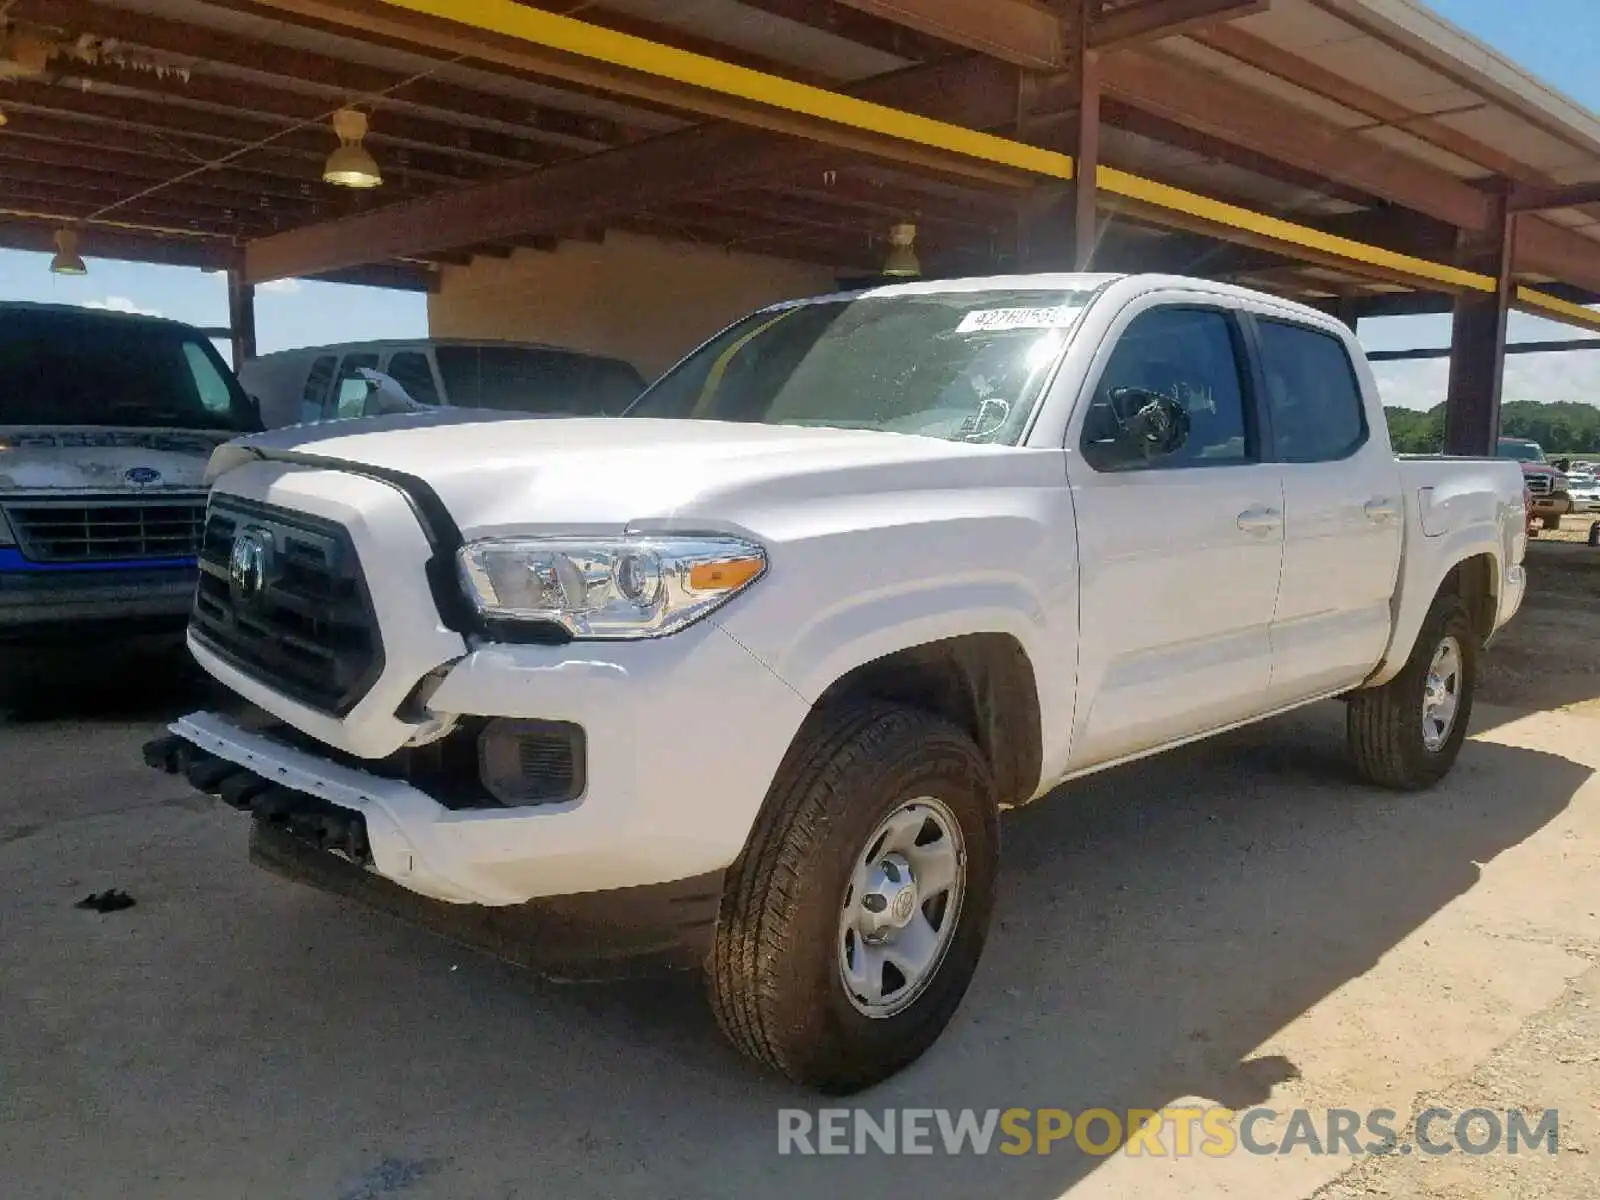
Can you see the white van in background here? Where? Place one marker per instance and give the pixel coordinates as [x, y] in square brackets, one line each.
[322, 383]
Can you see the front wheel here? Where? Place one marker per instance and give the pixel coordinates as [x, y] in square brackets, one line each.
[1407, 734]
[852, 923]
[1552, 522]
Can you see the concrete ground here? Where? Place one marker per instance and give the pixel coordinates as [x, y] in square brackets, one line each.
[1237, 923]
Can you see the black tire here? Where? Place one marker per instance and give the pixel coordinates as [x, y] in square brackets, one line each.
[1552, 522]
[1384, 725]
[774, 973]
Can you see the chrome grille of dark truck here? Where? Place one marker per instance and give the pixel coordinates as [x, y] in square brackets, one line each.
[309, 631]
[1539, 485]
[111, 529]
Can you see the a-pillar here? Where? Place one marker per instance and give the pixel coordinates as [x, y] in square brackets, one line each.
[241, 317]
[1478, 338]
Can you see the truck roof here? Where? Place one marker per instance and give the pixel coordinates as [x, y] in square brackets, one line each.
[78, 312]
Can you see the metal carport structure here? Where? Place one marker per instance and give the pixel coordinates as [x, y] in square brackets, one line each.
[1362, 155]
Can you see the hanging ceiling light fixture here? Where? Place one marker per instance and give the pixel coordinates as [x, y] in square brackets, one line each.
[67, 260]
[902, 262]
[350, 165]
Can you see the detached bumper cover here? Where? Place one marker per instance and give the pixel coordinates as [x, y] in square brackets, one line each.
[315, 837]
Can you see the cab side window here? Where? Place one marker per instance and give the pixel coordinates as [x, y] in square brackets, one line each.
[1190, 355]
[1312, 394]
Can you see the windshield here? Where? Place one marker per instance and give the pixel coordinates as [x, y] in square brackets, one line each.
[963, 366]
[60, 369]
[1581, 479]
[1522, 451]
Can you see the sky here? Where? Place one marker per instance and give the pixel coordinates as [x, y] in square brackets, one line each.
[1553, 39]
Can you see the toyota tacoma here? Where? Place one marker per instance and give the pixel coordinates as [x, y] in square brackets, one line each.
[743, 680]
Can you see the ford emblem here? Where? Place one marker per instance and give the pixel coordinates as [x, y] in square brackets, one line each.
[141, 476]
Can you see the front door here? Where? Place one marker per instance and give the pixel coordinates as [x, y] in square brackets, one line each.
[1180, 554]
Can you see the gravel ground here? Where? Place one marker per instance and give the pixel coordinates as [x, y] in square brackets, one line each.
[1236, 923]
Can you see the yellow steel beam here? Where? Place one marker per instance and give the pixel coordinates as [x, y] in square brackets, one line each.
[1556, 309]
[583, 40]
[1274, 229]
[599, 44]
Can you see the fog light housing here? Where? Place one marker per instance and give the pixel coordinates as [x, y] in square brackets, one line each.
[523, 762]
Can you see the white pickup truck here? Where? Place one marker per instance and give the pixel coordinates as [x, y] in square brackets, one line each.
[743, 679]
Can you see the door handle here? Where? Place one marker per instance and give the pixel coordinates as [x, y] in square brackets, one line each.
[1381, 509]
[1260, 521]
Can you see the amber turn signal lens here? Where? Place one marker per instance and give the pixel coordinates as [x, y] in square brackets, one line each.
[721, 576]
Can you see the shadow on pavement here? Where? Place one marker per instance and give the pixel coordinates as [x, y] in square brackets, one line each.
[150, 679]
[1156, 924]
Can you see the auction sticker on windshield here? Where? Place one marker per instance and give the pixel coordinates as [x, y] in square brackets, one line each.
[991, 320]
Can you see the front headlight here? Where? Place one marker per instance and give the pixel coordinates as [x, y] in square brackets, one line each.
[623, 587]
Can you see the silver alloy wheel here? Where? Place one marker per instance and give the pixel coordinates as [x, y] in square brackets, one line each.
[901, 907]
[1441, 695]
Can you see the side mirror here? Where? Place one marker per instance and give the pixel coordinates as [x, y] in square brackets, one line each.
[1149, 424]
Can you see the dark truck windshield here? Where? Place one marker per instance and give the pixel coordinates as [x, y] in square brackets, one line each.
[963, 366]
[60, 368]
[1521, 451]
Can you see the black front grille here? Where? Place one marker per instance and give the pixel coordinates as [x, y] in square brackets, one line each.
[108, 529]
[304, 625]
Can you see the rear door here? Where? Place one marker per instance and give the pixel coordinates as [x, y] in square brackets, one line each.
[1343, 512]
[1180, 555]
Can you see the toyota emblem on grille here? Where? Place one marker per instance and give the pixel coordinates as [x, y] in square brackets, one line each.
[248, 564]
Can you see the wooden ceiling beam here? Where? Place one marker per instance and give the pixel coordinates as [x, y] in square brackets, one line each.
[126, 172]
[202, 136]
[1168, 132]
[1019, 32]
[17, 233]
[234, 99]
[1548, 196]
[886, 37]
[1152, 20]
[436, 99]
[1188, 97]
[698, 161]
[1319, 81]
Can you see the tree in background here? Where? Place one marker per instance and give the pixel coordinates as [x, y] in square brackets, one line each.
[1561, 427]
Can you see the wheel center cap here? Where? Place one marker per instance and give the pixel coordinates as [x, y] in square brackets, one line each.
[890, 900]
[904, 904]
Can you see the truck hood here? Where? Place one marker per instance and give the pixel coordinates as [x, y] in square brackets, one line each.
[592, 474]
[60, 459]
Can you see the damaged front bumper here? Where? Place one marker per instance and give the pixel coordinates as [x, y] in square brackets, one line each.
[389, 846]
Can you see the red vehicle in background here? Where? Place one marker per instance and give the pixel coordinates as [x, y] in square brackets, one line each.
[1546, 486]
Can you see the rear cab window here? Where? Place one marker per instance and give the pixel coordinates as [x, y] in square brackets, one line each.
[1313, 395]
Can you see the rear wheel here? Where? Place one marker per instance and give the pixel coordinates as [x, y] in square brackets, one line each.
[852, 924]
[1407, 734]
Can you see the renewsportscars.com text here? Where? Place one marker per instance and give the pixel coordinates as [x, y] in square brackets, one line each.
[1163, 1133]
